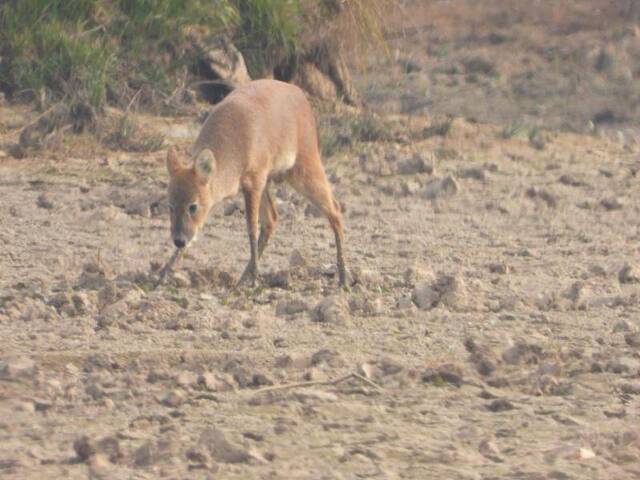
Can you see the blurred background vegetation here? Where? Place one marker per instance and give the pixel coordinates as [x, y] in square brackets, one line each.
[102, 52]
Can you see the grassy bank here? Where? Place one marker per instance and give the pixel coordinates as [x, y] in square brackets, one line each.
[104, 52]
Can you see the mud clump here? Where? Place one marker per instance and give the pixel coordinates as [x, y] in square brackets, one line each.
[447, 290]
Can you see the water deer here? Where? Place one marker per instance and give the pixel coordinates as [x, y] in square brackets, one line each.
[262, 132]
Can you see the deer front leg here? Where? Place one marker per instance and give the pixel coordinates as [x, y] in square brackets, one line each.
[252, 208]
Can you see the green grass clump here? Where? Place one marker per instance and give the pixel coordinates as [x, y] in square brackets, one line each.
[98, 52]
[92, 51]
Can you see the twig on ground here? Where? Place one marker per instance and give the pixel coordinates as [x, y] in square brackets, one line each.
[336, 381]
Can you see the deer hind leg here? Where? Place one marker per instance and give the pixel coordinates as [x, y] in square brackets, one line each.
[252, 191]
[308, 178]
[268, 219]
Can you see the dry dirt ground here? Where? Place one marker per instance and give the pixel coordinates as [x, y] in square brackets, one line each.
[492, 330]
[492, 311]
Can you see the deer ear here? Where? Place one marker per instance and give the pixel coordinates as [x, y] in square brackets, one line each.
[173, 161]
[205, 164]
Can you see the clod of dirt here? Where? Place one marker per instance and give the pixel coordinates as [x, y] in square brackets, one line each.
[481, 356]
[86, 447]
[279, 279]
[369, 278]
[571, 181]
[628, 274]
[197, 455]
[405, 302]
[490, 450]
[441, 187]
[448, 290]
[291, 306]
[414, 165]
[180, 280]
[15, 368]
[501, 268]
[622, 326]
[522, 353]
[577, 294]
[186, 379]
[425, 296]
[94, 276]
[173, 399]
[145, 455]
[325, 356]
[612, 203]
[632, 339]
[475, 173]
[332, 309]
[297, 260]
[622, 365]
[544, 195]
[630, 388]
[215, 382]
[221, 449]
[500, 405]
[443, 374]
[44, 202]
[415, 274]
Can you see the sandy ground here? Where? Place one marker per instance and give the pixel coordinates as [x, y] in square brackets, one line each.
[493, 324]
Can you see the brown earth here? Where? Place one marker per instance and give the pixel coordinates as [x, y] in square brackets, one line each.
[492, 330]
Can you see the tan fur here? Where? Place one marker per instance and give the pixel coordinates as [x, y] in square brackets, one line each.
[262, 131]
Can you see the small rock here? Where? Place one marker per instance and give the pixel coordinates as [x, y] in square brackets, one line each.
[622, 326]
[173, 399]
[215, 383]
[291, 307]
[425, 296]
[500, 405]
[409, 187]
[312, 211]
[415, 164]
[489, 450]
[544, 195]
[571, 181]
[297, 260]
[197, 455]
[19, 367]
[186, 379]
[231, 208]
[81, 303]
[85, 448]
[44, 202]
[631, 388]
[447, 373]
[612, 203]
[279, 279]
[476, 173]
[522, 353]
[221, 449]
[414, 275]
[500, 268]
[628, 274]
[445, 186]
[404, 302]
[180, 280]
[329, 357]
[632, 339]
[332, 309]
[577, 294]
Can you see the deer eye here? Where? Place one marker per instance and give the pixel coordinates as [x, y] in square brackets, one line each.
[193, 208]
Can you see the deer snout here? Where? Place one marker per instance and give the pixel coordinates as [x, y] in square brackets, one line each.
[179, 242]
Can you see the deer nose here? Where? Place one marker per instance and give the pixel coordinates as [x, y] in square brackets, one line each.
[179, 242]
